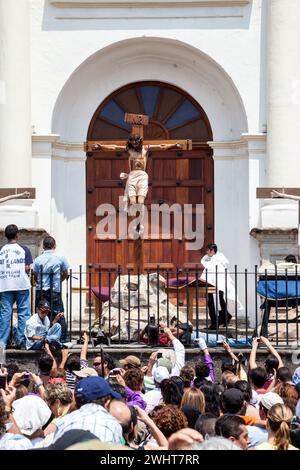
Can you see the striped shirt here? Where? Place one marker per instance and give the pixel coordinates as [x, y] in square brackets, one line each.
[94, 418]
[71, 378]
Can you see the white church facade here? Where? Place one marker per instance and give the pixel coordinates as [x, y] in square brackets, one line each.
[239, 60]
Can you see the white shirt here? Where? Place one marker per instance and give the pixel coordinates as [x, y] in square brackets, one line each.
[179, 357]
[152, 399]
[13, 259]
[36, 327]
[14, 442]
[94, 418]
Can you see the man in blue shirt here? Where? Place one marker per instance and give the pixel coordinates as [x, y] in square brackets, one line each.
[15, 261]
[50, 270]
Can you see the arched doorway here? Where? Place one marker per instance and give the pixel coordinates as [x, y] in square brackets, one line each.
[182, 177]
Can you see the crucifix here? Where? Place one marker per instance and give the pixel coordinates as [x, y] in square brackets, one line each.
[137, 179]
[282, 193]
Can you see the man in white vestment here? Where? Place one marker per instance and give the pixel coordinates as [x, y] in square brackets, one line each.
[216, 264]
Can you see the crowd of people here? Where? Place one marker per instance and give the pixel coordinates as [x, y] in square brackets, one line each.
[166, 403]
[163, 404]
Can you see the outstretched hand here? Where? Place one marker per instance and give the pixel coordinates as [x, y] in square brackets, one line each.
[183, 439]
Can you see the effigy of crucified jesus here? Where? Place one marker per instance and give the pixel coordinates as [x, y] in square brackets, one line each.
[136, 188]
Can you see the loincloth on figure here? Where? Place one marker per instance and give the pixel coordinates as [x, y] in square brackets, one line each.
[137, 183]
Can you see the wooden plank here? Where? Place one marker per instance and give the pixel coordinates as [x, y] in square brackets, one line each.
[153, 266]
[4, 192]
[137, 119]
[265, 193]
[88, 146]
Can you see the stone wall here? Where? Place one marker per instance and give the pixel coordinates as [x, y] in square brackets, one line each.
[33, 238]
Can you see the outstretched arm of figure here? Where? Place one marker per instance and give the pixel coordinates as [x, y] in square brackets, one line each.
[275, 193]
[26, 194]
[164, 146]
[108, 147]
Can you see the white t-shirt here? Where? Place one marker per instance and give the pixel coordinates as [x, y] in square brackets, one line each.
[13, 259]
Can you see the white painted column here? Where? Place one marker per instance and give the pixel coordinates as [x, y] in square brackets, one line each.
[15, 111]
[15, 119]
[283, 143]
[283, 93]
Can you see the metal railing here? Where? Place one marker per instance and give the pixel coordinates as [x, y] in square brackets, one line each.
[123, 304]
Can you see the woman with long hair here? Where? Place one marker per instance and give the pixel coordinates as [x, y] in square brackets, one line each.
[279, 420]
[195, 398]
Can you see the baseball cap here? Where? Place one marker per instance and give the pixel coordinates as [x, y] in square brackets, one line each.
[131, 360]
[232, 398]
[161, 373]
[44, 304]
[86, 372]
[92, 388]
[270, 399]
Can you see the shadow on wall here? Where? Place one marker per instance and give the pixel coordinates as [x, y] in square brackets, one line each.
[89, 19]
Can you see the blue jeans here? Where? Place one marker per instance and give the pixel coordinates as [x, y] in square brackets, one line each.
[53, 337]
[8, 299]
[212, 341]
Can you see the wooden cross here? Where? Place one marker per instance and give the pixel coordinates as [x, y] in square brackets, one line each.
[138, 122]
[282, 193]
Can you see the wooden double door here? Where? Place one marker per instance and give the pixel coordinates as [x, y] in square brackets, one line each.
[175, 177]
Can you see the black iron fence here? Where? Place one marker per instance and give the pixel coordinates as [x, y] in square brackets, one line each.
[124, 307]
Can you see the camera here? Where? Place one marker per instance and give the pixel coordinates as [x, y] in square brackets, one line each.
[152, 331]
[3, 382]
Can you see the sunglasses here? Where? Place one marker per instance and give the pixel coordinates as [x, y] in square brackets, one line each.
[97, 364]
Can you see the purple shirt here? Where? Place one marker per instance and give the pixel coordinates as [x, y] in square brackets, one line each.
[135, 399]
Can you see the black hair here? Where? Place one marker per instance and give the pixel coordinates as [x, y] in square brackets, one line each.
[171, 392]
[134, 142]
[258, 376]
[45, 363]
[73, 363]
[212, 246]
[271, 363]
[128, 427]
[244, 387]
[11, 232]
[201, 371]
[12, 368]
[206, 424]
[211, 394]
[229, 426]
[235, 408]
[229, 365]
[284, 374]
[295, 437]
[110, 363]
[290, 259]
[49, 243]
[116, 387]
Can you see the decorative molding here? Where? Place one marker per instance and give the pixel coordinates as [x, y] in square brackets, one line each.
[65, 159]
[47, 138]
[147, 3]
[147, 17]
[255, 137]
[69, 145]
[230, 144]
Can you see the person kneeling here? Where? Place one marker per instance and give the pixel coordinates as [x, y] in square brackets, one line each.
[38, 330]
